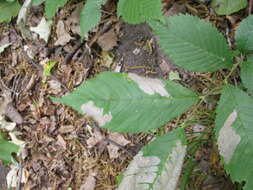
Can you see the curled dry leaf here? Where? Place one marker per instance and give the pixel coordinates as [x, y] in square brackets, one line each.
[61, 142]
[43, 29]
[74, 20]
[96, 138]
[6, 125]
[7, 109]
[62, 35]
[108, 40]
[113, 149]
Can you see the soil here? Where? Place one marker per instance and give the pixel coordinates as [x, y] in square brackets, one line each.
[137, 51]
[64, 149]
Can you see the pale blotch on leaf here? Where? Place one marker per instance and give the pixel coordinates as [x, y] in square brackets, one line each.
[170, 175]
[140, 171]
[228, 139]
[149, 85]
[143, 172]
[96, 113]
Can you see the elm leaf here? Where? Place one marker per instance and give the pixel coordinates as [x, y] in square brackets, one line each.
[129, 103]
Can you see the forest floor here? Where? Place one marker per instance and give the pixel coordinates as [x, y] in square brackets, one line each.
[63, 150]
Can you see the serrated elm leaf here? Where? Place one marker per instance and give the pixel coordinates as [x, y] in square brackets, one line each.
[37, 2]
[6, 149]
[8, 10]
[192, 43]
[247, 73]
[135, 12]
[90, 15]
[158, 165]
[234, 133]
[130, 103]
[226, 7]
[244, 35]
[52, 6]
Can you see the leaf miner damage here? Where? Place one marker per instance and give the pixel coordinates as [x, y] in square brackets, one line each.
[96, 113]
[228, 139]
[149, 85]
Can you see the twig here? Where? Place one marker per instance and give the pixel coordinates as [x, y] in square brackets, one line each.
[250, 6]
[71, 54]
[20, 176]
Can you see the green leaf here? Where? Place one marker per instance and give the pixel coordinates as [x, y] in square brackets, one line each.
[130, 103]
[8, 10]
[90, 15]
[6, 148]
[226, 7]
[244, 35]
[47, 68]
[247, 73]
[193, 44]
[37, 2]
[52, 6]
[158, 165]
[135, 12]
[234, 134]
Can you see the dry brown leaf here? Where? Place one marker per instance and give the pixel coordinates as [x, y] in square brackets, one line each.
[62, 35]
[113, 150]
[61, 142]
[7, 109]
[74, 20]
[96, 138]
[108, 40]
[90, 182]
[119, 138]
[66, 129]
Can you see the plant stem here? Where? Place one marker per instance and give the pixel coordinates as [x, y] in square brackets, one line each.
[231, 72]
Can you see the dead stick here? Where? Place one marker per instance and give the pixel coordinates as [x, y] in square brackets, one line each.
[250, 6]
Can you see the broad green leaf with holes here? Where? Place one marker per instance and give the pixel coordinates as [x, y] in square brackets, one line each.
[158, 165]
[247, 73]
[193, 44]
[244, 35]
[52, 6]
[8, 10]
[129, 103]
[6, 148]
[234, 133]
[135, 12]
[226, 7]
[90, 15]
